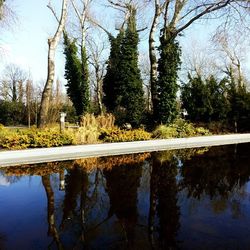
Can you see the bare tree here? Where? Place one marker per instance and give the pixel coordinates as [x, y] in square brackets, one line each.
[12, 82]
[52, 42]
[8, 16]
[180, 14]
[232, 48]
[28, 100]
[145, 72]
[199, 60]
[97, 62]
[82, 12]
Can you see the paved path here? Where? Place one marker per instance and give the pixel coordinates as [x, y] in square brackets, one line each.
[29, 156]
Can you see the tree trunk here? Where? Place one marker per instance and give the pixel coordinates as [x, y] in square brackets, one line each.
[152, 56]
[28, 99]
[99, 90]
[52, 42]
[14, 91]
[99, 97]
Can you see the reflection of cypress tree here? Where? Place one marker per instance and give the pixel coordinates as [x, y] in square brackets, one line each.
[122, 184]
[217, 172]
[163, 188]
[75, 185]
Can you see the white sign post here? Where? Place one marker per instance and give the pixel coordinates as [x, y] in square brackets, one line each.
[62, 121]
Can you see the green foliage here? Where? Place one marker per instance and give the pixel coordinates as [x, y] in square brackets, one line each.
[71, 113]
[130, 83]
[217, 91]
[205, 100]
[76, 73]
[239, 100]
[12, 113]
[179, 129]
[122, 84]
[213, 100]
[110, 81]
[119, 135]
[167, 87]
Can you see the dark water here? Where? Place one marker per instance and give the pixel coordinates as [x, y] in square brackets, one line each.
[186, 199]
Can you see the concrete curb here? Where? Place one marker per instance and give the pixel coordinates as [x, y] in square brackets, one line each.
[40, 155]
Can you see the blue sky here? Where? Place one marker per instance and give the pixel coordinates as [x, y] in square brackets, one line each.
[26, 43]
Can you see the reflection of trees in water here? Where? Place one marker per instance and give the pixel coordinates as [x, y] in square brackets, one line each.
[217, 172]
[75, 186]
[74, 204]
[220, 173]
[122, 183]
[73, 210]
[163, 202]
[81, 195]
[8, 179]
[52, 231]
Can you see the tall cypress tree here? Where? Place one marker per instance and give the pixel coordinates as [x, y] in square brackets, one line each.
[110, 81]
[84, 86]
[167, 87]
[122, 83]
[130, 91]
[76, 73]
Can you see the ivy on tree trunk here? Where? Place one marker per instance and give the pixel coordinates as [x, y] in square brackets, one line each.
[167, 87]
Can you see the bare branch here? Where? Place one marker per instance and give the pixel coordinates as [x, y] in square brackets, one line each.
[96, 23]
[76, 10]
[53, 11]
[213, 7]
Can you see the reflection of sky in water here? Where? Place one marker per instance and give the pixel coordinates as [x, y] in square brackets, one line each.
[202, 202]
[4, 181]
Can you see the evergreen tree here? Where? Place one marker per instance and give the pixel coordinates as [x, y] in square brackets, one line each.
[194, 98]
[239, 101]
[216, 95]
[205, 100]
[76, 73]
[84, 86]
[130, 88]
[122, 84]
[110, 81]
[167, 87]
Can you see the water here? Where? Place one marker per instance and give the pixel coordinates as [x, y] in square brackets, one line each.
[185, 199]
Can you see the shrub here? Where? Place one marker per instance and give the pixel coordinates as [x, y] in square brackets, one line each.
[120, 135]
[12, 113]
[33, 138]
[84, 135]
[90, 127]
[179, 129]
[164, 132]
[106, 121]
[13, 140]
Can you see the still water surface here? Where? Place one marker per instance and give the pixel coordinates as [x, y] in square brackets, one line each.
[184, 199]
